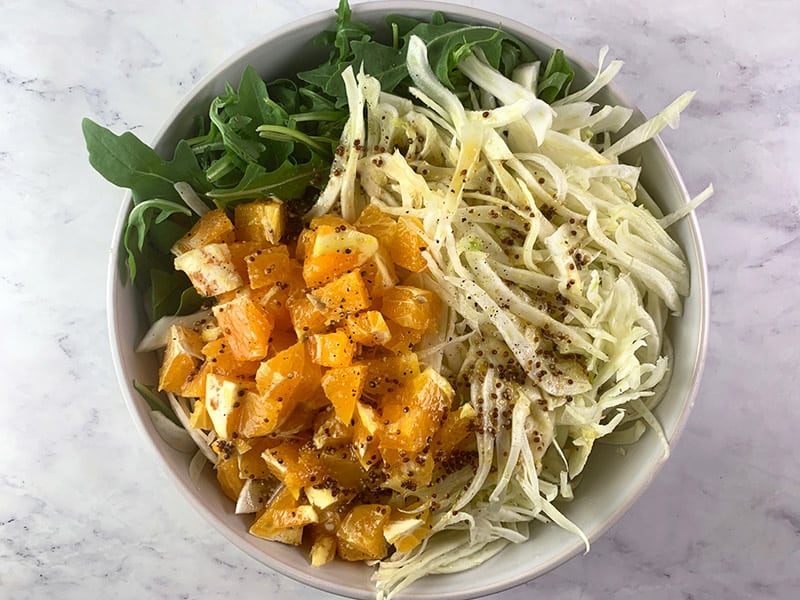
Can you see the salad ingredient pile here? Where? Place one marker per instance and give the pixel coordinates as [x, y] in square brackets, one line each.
[398, 307]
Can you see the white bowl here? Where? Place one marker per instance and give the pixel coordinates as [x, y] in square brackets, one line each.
[611, 482]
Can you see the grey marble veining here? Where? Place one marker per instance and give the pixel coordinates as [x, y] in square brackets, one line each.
[85, 510]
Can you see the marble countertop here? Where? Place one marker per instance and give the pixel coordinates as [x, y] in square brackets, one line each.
[85, 511]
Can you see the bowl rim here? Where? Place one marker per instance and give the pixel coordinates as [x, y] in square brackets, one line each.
[147, 431]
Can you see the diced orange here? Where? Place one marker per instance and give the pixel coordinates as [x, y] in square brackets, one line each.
[200, 418]
[377, 223]
[332, 349]
[213, 227]
[403, 339]
[458, 427]
[366, 434]
[268, 266]
[368, 328]
[407, 246]
[411, 307]
[196, 382]
[390, 374]
[247, 327]
[275, 298]
[335, 251]
[239, 252]
[306, 316]
[330, 431]
[283, 461]
[261, 221]
[228, 476]
[220, 359]
[379, 273]
[288, 377]
[281, 339]
[344, 295]
[343, 387]
[260, 415]
[181, 358]
[251, 463]
[283, 519]
[416, 413]
[406, 471]
[360, 536]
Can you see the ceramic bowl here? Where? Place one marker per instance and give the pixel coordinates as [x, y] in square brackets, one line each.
[611, 483]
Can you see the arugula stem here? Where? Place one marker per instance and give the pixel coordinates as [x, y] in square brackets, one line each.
[320, 145]
[220, 168]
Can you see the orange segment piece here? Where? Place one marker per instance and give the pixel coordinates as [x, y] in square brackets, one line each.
[407, 246]
[368, 328]
[246, 326]
[261, 221]
[415, 414]
[268, 266]
[360, 535]
[332, 349]
[411, 307]
[343, 387]
[181, 357]
[345, 295]
[213, 227]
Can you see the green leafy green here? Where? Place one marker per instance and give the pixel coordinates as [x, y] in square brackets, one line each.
[155, 401]
[126, 161]
[557, 77]
[141, 220]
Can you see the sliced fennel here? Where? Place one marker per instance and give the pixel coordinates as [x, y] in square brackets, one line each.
[556, 276]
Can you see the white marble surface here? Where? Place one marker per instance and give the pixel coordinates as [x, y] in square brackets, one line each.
[85, 512]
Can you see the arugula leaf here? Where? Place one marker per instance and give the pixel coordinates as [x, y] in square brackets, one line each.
[127, 162]
[140, 224]
[287, 181]
[557, 77]
[154, 400]
[171, 293]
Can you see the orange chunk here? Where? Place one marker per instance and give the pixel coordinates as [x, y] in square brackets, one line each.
[403, 339]
[306, 316]
[379, 273]
[213, 227]
[416, 413]
[239, 252]
[377, 223]
[407, 246]
[368, 328]
[366, 432]
[260, 221]
[181, 357]
[332, 349]
[458, 427]
[220, 359]
[222, 398]
[343, 296]
[283, 461]
[200, 418]
[343, 387]
[228, 476]
[251, 463]
[360, 536]
[246, 326]
[390, 374]
[268, 266]
[407, 471]
[335, 251]
[288, 377]
[411, 307]
[284, 518]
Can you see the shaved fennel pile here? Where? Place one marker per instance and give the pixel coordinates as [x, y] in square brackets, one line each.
[556, 271]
